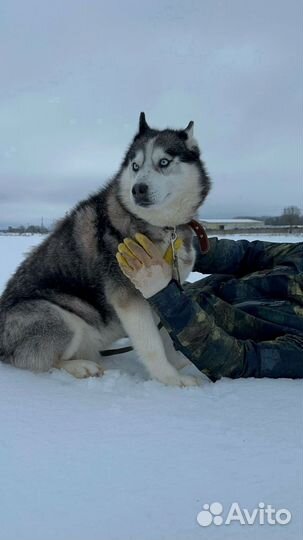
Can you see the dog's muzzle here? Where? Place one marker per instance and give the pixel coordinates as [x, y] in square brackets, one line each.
[140, 194]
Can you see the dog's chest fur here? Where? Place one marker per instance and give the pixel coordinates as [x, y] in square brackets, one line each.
[128, 225]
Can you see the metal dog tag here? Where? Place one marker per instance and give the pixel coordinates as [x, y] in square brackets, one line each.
[176, 272]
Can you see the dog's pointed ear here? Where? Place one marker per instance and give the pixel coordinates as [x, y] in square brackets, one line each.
[189, 130]
[143, 125]
[190, 141]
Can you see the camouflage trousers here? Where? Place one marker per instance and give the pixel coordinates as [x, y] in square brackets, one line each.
[234, 343]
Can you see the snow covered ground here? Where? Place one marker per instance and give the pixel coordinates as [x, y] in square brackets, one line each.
[124, 458]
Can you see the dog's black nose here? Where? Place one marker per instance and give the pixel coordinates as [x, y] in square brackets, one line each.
[139, 189]
[140, 193]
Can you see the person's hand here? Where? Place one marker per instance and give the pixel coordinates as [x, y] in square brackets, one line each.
[142, 262]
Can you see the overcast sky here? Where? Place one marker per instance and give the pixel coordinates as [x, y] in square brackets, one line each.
[75, 74]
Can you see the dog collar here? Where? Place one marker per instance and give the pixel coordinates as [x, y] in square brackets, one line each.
[201, 234]
[199, 231]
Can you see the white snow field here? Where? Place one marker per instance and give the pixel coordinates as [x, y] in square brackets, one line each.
[125, 458]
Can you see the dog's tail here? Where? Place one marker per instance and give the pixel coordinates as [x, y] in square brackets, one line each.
[4, 359]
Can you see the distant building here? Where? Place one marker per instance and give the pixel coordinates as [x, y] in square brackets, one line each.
[231, 224]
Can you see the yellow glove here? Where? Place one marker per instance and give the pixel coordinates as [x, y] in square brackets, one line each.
[142, 262]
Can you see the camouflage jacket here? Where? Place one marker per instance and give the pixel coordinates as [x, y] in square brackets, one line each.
[246, 318]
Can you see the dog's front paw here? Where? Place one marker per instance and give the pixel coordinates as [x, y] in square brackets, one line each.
[81, 369]
[180, 380]
[189, 380]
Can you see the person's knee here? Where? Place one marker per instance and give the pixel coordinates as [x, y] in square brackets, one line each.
[282, 357]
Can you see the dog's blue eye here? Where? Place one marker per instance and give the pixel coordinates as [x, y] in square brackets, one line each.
[164, 162]
[135, 166]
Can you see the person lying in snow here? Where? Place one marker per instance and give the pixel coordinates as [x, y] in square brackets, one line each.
[244, 320]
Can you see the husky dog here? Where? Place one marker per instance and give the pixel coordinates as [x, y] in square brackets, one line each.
[69, 300]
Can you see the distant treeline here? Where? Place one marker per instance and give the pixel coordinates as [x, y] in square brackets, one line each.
[291, 215]
[31, 229]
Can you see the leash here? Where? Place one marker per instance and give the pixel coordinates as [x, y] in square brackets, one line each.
[121, 350]
[204, 248]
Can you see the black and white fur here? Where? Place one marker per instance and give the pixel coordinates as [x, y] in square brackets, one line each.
[68, 299]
